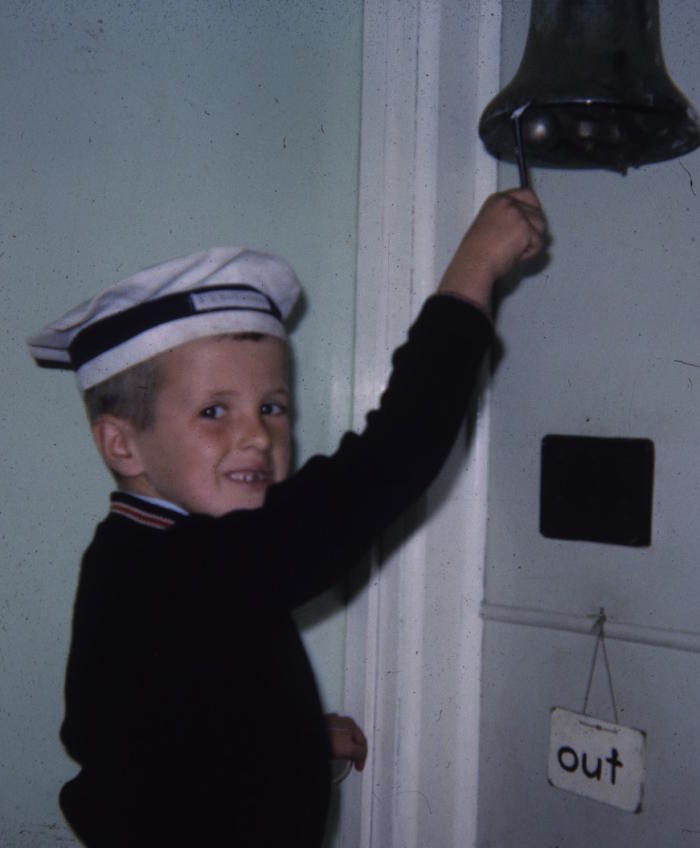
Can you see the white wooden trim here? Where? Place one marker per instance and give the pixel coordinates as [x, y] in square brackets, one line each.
[399, 177]
[475, 483]
[383, 312]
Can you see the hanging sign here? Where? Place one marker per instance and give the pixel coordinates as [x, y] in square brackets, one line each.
[597, 759]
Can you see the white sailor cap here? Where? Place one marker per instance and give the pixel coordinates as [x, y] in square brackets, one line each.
[222, 290]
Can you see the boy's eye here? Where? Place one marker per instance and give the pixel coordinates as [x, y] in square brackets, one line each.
[214, 411]
[273, 409]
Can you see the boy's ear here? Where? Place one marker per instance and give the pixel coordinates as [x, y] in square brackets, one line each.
[115, 441]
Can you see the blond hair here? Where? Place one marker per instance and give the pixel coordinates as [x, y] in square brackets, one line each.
[131, 394]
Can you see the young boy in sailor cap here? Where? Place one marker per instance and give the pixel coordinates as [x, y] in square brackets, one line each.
[187, 679]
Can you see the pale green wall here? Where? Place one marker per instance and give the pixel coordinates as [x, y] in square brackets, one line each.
[595, 345]
[132, 132]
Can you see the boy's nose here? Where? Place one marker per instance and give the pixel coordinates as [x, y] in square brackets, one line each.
[253, 433]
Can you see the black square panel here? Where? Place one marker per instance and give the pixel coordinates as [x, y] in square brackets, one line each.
[597, 489]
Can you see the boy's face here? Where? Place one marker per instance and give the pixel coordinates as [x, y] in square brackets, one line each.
[221, 430]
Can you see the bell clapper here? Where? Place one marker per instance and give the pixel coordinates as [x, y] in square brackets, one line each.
[516, 115]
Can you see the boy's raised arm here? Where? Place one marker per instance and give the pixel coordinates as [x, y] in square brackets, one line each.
[509, 228]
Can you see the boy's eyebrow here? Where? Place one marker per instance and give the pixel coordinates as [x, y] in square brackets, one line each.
[281, 390]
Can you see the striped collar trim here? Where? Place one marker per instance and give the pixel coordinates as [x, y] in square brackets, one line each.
[142, 512]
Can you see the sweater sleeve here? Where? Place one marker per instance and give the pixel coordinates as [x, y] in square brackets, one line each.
[324, 517]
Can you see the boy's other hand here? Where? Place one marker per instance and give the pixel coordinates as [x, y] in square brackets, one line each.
[509, 228]
[347, 740]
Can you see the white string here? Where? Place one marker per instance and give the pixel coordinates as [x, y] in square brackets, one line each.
[600, 641]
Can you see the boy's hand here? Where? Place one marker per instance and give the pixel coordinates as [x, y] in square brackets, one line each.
[347, 740]
[509, 228]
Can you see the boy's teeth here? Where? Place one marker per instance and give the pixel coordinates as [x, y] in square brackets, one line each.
[247, 476]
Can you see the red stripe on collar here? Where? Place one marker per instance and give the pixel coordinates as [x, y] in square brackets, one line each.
[142, 515]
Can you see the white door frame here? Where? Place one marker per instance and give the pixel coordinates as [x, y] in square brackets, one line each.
[415, 80]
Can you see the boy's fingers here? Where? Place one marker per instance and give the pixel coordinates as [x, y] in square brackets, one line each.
[525, 196]
[527, 201]
[347, 740]
[529, 207]
[361, 747]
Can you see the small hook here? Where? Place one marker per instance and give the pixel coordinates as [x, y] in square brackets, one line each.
[599, 622]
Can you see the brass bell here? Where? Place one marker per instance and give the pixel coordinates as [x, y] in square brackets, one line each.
[592, 91]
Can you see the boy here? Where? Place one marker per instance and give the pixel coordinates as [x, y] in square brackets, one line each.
[186, 678]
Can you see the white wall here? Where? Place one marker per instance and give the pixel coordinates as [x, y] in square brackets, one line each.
[132, 132]
[592, 346]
